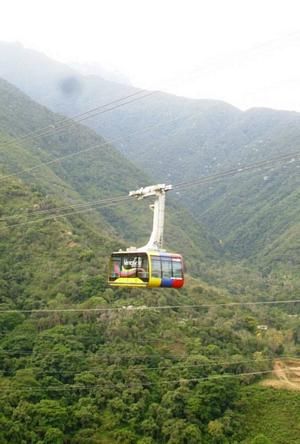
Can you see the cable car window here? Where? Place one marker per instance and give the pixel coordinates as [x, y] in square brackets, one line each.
[115, 267]
[166, 266]
[156, 267]
[177, 268]
[134, 265]
[143, 270]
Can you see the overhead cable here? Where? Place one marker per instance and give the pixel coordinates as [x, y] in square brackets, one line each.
[132, 308]
[92, 203]
[110, 203]
[85, 150]
[120, 384]
[181, 185]
[65, 122]
[241, 169]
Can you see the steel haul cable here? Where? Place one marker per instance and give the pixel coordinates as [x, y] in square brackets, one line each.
[66, 122]
[121, 384]
[130, 308]
[106, 204]
[108, 201]
[85, 150]
[201, 181]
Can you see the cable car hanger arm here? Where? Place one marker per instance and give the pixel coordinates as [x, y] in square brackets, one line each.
[156, 239]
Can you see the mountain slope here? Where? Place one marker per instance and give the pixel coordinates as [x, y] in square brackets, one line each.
[97, 173]
[170, 118]
[58, 257]
[52, 83]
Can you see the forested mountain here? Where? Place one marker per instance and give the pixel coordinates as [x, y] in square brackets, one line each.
[99, 172]
[54, 84]
[255, 216]
[81, 370]
[85, 370]
[80, 362]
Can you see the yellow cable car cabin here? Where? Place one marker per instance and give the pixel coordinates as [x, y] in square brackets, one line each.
[148, 269]
[149, 266]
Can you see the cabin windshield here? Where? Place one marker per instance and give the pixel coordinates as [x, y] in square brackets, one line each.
[129, 265]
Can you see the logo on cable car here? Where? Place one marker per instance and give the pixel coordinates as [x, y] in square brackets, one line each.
[135, 262]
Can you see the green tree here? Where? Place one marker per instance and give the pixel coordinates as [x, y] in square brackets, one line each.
[261, 439]
[179, 431]
[53, 436]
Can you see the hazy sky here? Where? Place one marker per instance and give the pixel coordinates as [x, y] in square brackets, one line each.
[246, 52]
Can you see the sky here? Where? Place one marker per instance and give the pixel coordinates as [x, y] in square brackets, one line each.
[245, 52]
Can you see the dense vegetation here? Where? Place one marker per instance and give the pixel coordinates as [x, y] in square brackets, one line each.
[80, 362]
[96, 174]
[268, 416]
[121, 375]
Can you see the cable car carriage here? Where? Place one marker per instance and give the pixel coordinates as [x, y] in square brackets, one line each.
[149, 266]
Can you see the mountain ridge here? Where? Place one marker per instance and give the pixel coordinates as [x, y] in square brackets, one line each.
[97, 174]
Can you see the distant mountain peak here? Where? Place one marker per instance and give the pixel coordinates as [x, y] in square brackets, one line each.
[105, 72]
